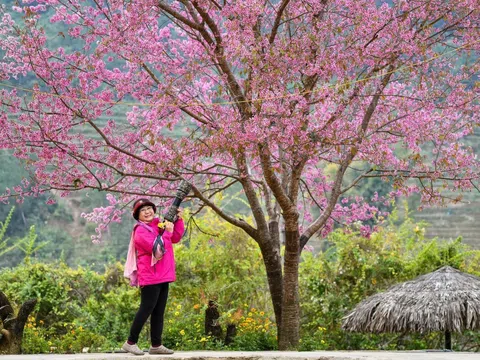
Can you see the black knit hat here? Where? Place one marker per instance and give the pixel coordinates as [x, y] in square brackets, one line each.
[138, 204]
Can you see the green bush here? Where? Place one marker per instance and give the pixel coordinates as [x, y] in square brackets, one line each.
[74, 339]
[80, 308]
[60, 290]
[222, 264]
[62, 293]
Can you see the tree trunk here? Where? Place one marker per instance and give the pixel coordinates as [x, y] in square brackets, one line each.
[212, 326]
[289, 335]
[12, 332]
[273, 266]
[448, 340]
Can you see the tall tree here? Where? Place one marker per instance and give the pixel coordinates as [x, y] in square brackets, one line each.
[265, 95]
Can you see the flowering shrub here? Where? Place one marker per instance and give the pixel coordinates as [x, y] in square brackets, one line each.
[255, 330]
[71, 339]
[185, 329]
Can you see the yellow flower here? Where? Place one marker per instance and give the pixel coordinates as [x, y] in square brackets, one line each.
[253, 309]
[179, 306]
[196, 306]
[203, 339]
[170, 321]
[250, 314]
[182, 332]
[262, 313]
[177, 313]
[41, 322]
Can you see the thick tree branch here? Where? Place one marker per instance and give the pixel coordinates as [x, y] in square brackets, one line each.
[295, 178]
[179, 16]
[278, 18]
[239, 223]
[271, 179]
[252, 197]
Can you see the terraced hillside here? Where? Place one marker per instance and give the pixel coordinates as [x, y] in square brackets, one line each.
[453, 221]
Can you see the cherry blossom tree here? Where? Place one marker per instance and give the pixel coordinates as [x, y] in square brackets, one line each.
[293, 102]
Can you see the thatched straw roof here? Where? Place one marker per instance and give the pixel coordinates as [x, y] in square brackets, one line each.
[445, 300]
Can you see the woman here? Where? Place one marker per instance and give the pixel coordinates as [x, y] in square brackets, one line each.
[152, 271]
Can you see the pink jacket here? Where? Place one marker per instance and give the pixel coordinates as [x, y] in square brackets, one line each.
[139, 268]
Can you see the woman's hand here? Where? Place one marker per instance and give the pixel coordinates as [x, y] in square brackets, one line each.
[179, 213]
[168, 226]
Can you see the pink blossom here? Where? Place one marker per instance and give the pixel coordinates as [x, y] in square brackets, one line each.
[293, 121]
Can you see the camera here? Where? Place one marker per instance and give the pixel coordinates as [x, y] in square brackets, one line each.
[182, 191]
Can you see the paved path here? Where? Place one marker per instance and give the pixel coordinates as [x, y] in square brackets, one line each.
[263, 355]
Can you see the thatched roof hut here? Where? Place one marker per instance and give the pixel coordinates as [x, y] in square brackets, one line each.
[445, 300]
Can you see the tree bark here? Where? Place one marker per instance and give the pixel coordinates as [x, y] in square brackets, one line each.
[12, 332]
[289, 335]
[273, 266]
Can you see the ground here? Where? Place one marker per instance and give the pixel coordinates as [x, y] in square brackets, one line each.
[264, 355]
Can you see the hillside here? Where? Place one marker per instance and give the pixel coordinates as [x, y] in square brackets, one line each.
[454, 221]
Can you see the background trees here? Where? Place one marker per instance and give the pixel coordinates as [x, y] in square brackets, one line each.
[256, 97]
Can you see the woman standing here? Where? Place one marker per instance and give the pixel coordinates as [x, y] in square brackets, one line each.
[152, 271]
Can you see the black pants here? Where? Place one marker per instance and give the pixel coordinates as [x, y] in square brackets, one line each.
[153, 302]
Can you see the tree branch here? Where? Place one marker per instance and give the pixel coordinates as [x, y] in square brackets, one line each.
[239, 223]
[253, 200]
[271, 179]
[179, 16]
[278, 18]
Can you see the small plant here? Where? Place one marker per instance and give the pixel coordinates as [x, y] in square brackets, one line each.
[29, 246]
[4, 247]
